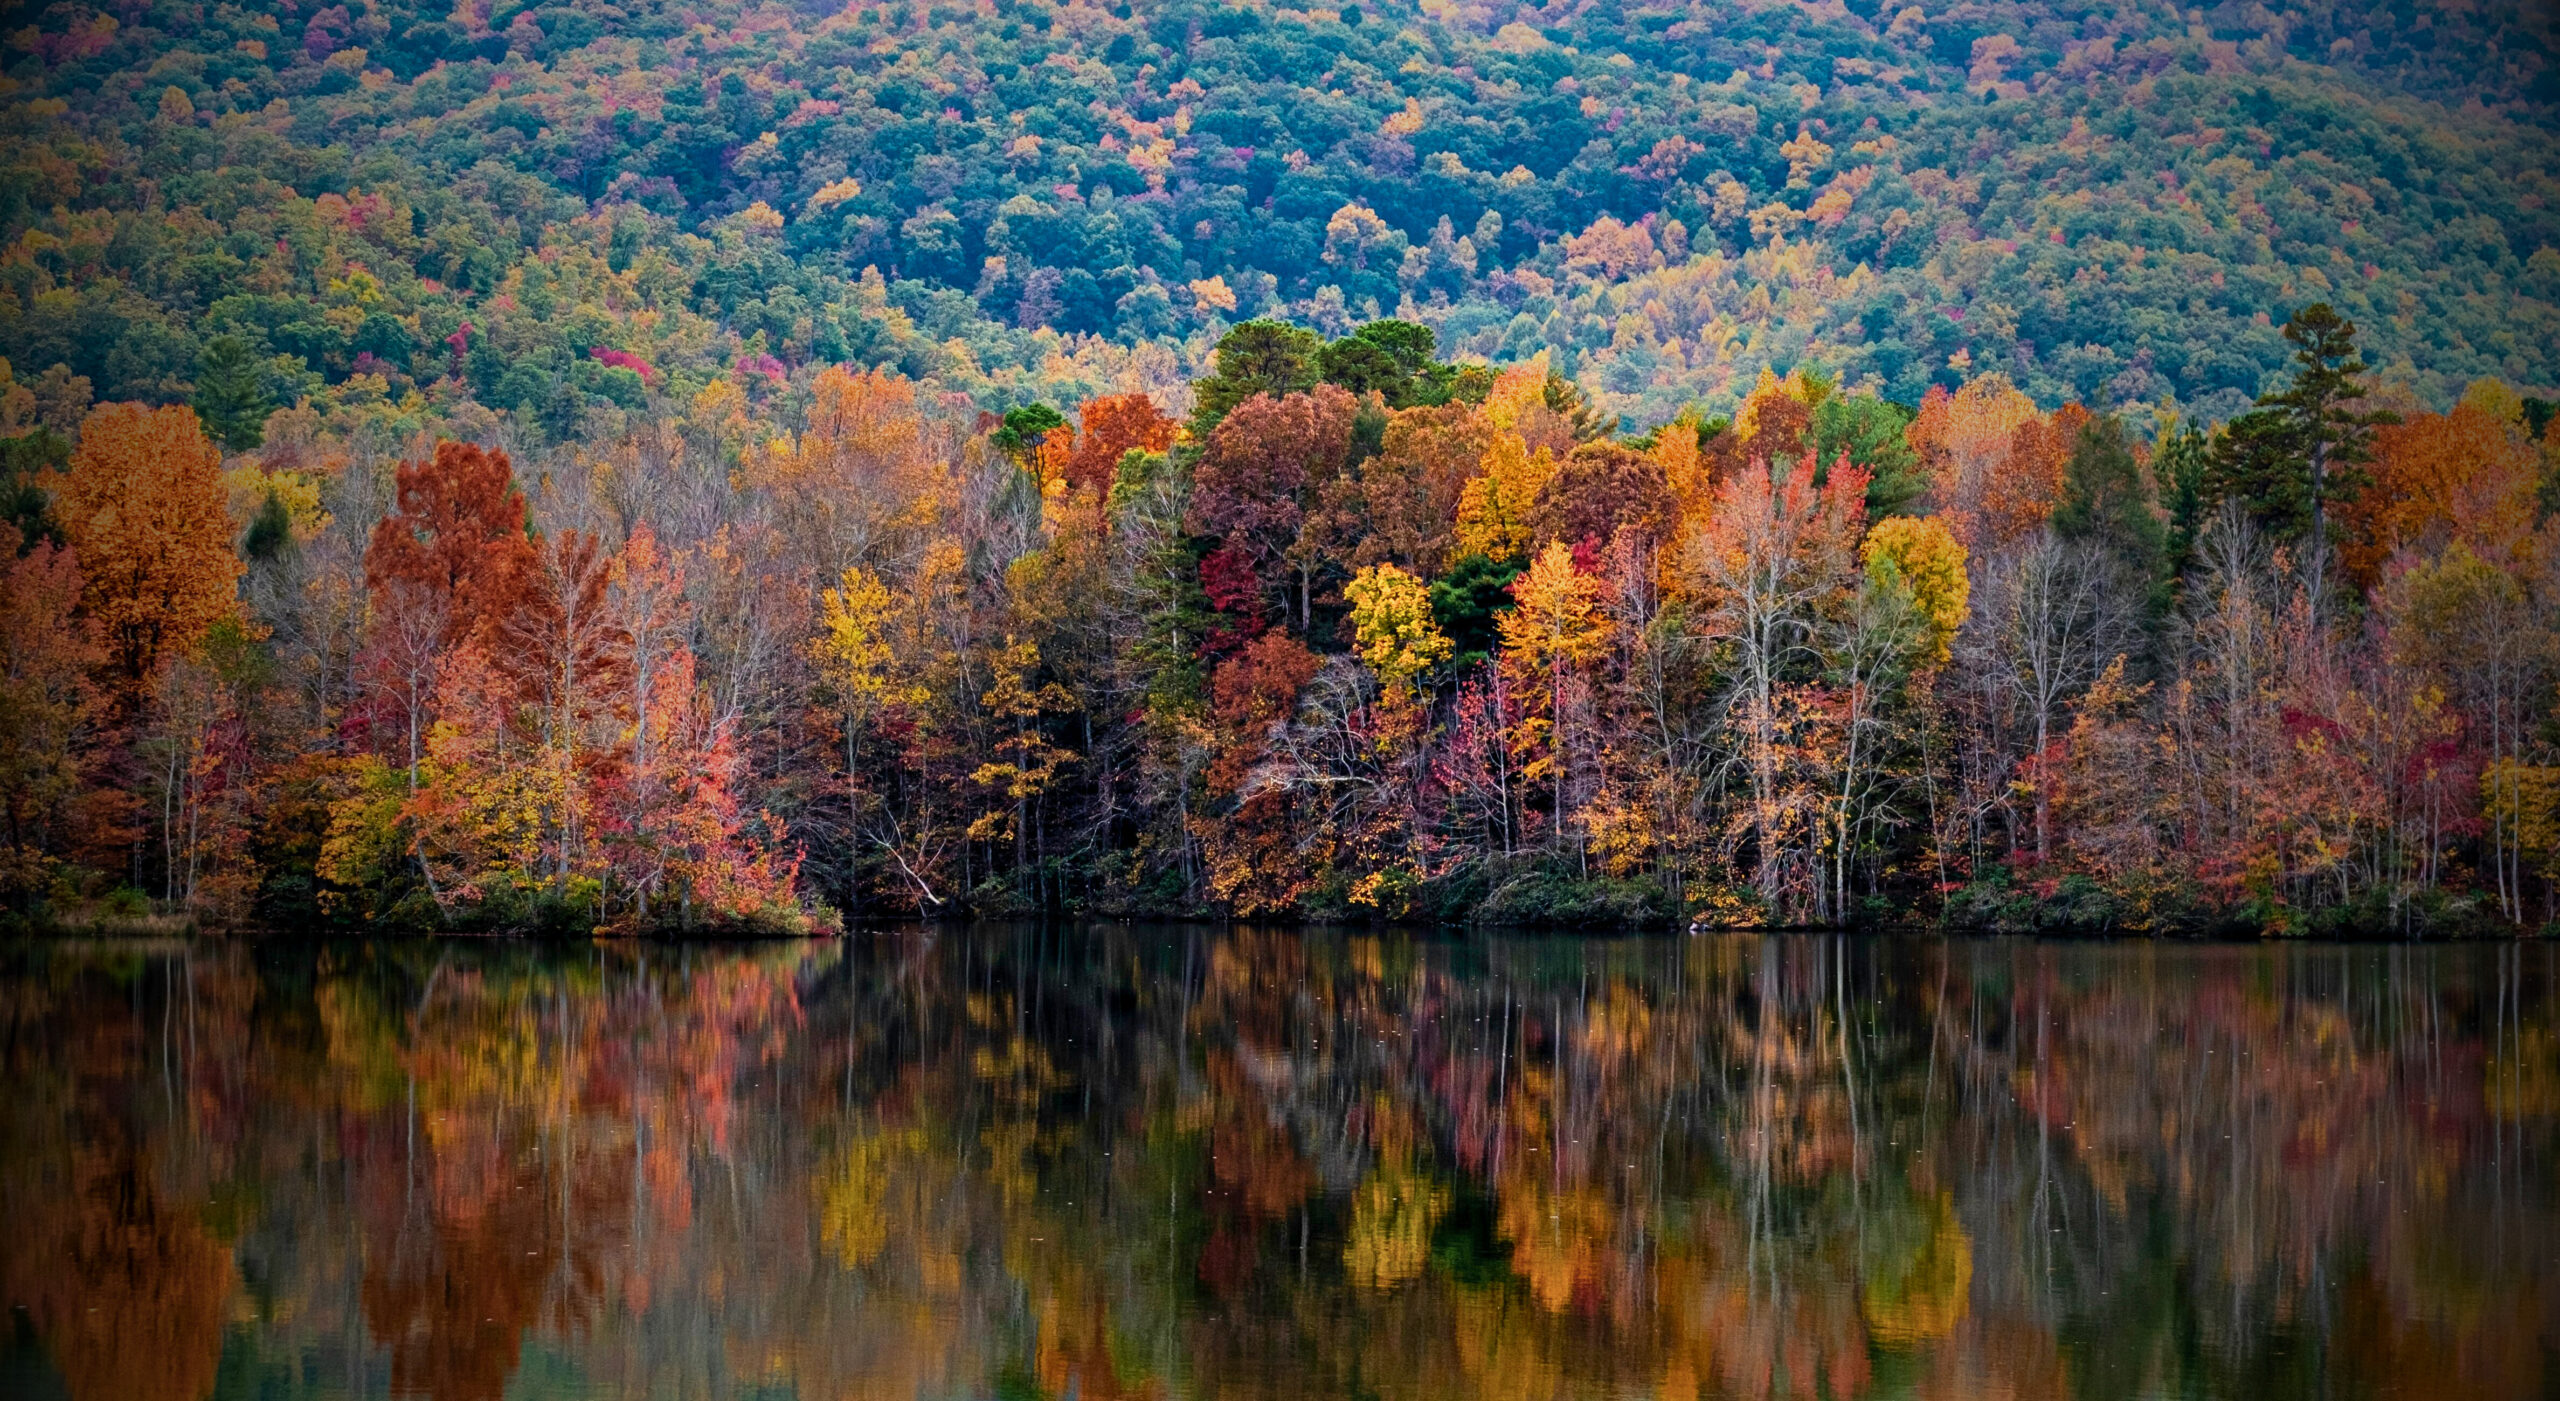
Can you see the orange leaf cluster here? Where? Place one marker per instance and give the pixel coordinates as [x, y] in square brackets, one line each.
[144, 509]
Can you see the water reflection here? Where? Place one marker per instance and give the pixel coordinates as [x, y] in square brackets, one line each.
[1163, 1163]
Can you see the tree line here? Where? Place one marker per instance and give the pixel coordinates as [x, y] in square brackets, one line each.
[1360, 633]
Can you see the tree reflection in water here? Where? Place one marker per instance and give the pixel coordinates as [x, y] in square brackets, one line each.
[1114, 1162]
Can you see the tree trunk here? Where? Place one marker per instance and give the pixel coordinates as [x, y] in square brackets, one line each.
[2318, 565]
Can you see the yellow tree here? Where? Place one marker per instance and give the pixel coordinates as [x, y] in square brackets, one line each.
[1516, 391]
[1030, 763]
[1905, 612]
[1556, 628]
[854, 657]
[144, 510]
[1686, 472]
[1493, 507]
[1391, 620]
[1965, 441]
[1393, 631]
[867, 479]
[1930, 562]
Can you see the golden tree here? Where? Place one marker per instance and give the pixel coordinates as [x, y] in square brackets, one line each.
[1965, 441]
[1557, 629]
[1391, 617]
[1016, 701]
[866, 480]
[143, 508]
[1930, 562]
[2469, 475]
[1493, 507]
[853, 655]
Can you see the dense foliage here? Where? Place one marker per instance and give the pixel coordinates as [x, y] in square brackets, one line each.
[561, 211]
[557, 465]
[1371, 635]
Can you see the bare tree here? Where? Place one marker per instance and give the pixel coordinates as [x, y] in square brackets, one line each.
[2052, 614]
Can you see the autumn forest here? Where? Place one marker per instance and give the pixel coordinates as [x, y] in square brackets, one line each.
[742, 469]
[1366, 636]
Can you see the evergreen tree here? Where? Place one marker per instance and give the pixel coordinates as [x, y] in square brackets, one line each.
[270, 532]
[231, 395]
[1467, 601]
[24, 504]
[1567, 400]
[2257, 464]
[1872, 433]
[2107, 502]
[1254, 357]
[1392, 358]
[2332, 438]
[1365, 368]
[2183, 466]
[1023, 430]
[2105, 499]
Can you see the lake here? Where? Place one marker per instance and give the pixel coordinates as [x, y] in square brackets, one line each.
[1116, 1161]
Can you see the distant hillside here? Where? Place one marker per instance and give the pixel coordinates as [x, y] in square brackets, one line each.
[550, 209]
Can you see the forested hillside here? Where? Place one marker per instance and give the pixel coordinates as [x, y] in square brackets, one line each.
[546, 212]
[577, 467]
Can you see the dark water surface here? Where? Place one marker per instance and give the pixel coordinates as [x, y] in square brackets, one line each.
[1115, 1162]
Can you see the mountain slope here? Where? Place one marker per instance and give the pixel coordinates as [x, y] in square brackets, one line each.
[1021, 200]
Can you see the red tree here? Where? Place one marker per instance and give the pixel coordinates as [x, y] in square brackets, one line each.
[456, 535]
[1264, 467]
[1114, 425]
[449, 563]
[47, 706]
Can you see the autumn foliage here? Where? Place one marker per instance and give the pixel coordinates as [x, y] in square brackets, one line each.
[1112, 427]
[142, 508]
[1372, 636]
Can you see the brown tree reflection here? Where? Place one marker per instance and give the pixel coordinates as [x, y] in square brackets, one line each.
[1184, 1163]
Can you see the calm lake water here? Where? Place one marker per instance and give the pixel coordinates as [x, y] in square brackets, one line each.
[1131, 1162]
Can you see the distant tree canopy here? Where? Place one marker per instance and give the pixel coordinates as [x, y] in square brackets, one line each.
[555, 223]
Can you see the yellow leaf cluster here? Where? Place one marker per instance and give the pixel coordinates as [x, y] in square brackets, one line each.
[1515, 390]
[833, 193]
[852, 645]
[1391, 618]
[247, 487]
[1923, 1296]
[864, 473]
[1493, 507]
[1930, 561]
[1558, 621]
[853, 1195]
[1392, 1216]
[1212, 292]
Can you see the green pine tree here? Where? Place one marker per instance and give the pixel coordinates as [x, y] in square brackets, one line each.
[271, 532]
[231, 394]
[1023, 430]
[2332, 437]
[1254, 357]
[2104, 497]
[2183, 465]
[2257, 465]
